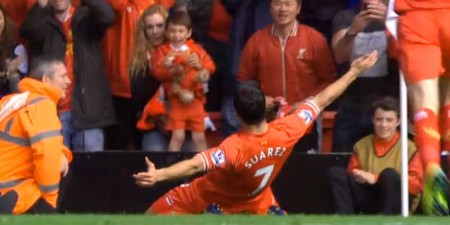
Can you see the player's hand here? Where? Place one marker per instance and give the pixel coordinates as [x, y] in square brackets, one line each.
[270, 102]
[148, 178]
[377, 10]
[193, 61]
[364, 62]
[202, 76]
[364, 177]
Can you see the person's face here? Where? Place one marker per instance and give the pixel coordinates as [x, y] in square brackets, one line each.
[178, 34]
[385, 123]
[60, 5]
[58, 79]
[284, 12]
[2, 22]
[154, 29]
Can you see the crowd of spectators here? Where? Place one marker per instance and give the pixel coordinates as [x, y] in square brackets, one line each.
[108, 47]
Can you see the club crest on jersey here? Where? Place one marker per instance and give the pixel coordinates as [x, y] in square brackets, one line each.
[306, 115]
[218, 157]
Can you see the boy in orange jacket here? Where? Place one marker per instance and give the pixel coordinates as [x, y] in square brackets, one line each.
[184, 68]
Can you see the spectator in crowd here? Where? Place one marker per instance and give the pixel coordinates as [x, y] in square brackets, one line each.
[149, 34]
[211, 28]
[424, 53]
[119, 39]
[289, 60]
[319, 14]
[17, 9]
[358, 31]
[32, 152]
[73, 34]
[13, 56]
[183, 67]
[371, 183]
[232, 182]
[248, 17]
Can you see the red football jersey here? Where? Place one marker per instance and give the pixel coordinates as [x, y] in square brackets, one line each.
[242, 168]
[408, 5]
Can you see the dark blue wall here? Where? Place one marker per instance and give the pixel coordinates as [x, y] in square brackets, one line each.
[102, 182]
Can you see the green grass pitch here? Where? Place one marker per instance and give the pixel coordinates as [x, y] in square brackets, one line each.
[219, 220]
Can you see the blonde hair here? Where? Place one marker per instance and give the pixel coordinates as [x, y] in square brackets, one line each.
[139, 61]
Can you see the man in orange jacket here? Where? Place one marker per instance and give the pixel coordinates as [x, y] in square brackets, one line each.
[32, 153]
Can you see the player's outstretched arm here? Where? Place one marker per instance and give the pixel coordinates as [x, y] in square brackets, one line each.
[183, 169]
[334, 90]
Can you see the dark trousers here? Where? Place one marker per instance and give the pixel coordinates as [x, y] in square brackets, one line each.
[121, 135]
[8, 202]
[351, 125]
[219, 52]
[350, 197]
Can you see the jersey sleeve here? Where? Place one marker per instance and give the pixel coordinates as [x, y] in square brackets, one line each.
[296, 124]
[221, 157]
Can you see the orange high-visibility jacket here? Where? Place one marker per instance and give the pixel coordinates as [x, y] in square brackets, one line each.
[31, 144]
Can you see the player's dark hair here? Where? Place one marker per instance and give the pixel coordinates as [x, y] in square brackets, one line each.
[387, 104]
[250, 102]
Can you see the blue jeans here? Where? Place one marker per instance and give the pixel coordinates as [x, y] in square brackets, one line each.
[88, 140]
[156, 141]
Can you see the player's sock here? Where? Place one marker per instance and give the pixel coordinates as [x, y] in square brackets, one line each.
[427, 138]
[445, 127]
[445, 132]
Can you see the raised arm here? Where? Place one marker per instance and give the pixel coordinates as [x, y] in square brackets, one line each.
[101, 12]
[334, 90]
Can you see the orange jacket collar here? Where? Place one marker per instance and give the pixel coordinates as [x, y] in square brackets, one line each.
[38, 87]
[383, 146]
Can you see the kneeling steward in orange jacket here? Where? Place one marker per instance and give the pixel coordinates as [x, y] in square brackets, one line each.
[31, 147]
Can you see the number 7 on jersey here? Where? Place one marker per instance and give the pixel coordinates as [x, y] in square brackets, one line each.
[266, 171]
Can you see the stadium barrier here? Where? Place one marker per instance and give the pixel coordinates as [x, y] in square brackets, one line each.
[102, 182]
